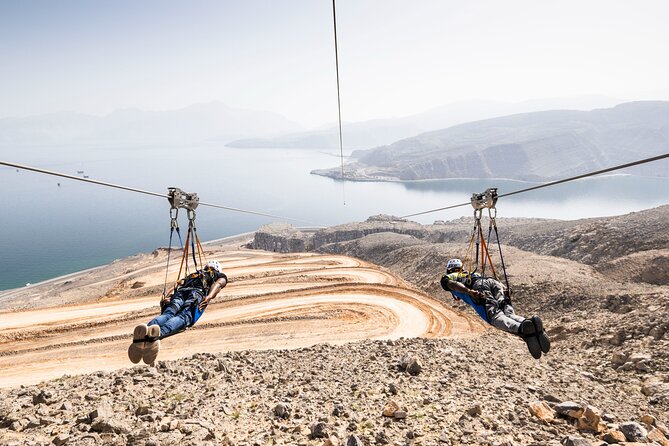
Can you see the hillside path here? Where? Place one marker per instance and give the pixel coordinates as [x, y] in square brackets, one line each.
[273, 301]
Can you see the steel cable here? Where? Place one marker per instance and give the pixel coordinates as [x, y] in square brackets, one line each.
[552, 183]
[141, 191]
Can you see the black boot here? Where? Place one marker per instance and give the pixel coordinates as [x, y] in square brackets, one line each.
[529, 333]
[544, 342]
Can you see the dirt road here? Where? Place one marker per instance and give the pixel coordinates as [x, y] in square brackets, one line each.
[273, 301]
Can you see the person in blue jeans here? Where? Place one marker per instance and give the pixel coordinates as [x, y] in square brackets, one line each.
[179, 310]
[486, 296]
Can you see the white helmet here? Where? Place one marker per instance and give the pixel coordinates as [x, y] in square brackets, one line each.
[453, 264]
[213, 264]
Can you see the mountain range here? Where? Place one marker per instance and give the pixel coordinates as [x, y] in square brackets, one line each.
[212, 121]
[534, 146]
[377, 132]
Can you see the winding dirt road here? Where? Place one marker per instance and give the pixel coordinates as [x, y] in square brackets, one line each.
[272, 301]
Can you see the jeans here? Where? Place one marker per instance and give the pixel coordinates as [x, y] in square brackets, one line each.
[178, 315]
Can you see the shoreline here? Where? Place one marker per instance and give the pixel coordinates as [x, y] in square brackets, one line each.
[54, 280]
[337, 177]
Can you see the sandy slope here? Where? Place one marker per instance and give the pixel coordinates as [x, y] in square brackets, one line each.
[273, 301]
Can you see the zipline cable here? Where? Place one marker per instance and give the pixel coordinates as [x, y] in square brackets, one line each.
[552, 183]
[341, 143]
[132, 189]
[86, 180]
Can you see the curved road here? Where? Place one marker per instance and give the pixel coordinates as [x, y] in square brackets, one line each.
[272, 301]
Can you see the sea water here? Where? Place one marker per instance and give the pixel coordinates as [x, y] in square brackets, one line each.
[53, 226]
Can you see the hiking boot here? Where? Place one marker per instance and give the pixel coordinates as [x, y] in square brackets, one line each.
[529, 333]
[136, 349]
[544, 342]
[152, 345]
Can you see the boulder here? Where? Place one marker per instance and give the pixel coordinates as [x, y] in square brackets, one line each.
[319, 430]
[653, 385]
[390, 408]
[613, 437]
[411, 365]
[570, 409]
[103, 411]
[331, 441]
[400, 414]
[43, 397]
[282, 410]
[61, 439]
[475, 410]
[575, 441]
[656, 435]
[618, 359]
[634, 431]
[591, 421]
[542, 411]
[110, 425]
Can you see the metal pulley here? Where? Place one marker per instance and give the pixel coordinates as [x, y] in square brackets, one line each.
[182, 200]
[487, 199]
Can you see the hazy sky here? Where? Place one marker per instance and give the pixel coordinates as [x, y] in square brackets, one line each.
[396, 57]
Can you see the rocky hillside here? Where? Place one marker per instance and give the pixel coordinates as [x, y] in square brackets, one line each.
[407, 392]
[530, 146]
[605, 381]
[602, 283]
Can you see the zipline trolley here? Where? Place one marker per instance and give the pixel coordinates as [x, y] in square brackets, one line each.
[478, 254]
[189, 201]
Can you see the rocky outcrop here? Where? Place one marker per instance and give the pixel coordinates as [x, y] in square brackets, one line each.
[373, 225]
[630, 247]
[281, 237]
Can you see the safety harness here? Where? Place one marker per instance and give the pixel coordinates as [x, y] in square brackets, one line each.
[201, 277]
[478, 253]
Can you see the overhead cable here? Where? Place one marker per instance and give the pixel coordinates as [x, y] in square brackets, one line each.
[552, 183]
[341, 141]
[132, 189]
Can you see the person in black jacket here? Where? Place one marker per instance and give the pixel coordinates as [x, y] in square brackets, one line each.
[487, 297]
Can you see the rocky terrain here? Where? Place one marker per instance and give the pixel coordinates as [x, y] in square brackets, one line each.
[599, 284]
[412, 391]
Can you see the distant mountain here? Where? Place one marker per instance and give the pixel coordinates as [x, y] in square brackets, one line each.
[193, 124]
[363, 135]
[530, 146]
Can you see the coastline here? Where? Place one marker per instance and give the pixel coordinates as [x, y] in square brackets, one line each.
[359, 178]
[76, 274]
[73, 275]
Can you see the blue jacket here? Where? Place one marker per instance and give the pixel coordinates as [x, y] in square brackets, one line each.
[466, 298]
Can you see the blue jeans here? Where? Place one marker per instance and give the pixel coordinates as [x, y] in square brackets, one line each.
[179, 313]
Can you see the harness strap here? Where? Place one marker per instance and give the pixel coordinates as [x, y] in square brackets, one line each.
[191, 230]
[486, 255]
[169, 251]
[184, 257]
[506, 278]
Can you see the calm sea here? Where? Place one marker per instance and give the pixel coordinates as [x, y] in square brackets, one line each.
[53, 226]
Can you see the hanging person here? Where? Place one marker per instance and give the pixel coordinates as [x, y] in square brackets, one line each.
[179, 310]
[486, 296]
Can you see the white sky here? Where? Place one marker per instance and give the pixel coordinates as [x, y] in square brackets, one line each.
[396, 57]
